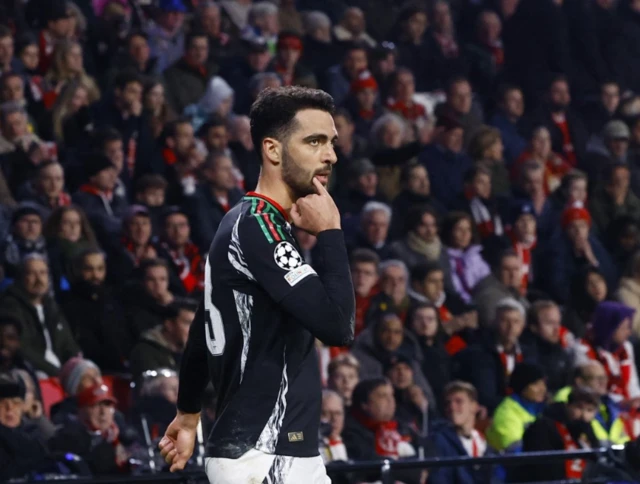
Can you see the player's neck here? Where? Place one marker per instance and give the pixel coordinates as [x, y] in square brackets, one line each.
[276, 190]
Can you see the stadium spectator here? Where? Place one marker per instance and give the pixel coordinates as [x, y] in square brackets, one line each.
[151, 193]
[162, 346]
[166, 33]
[364, 273]
[287, 61]
[76, 375]
[628, 292]
[217, 100]
[24, 239]
[375, 220]
[363, 102]
[181, 159]
[157, 400]
[507, 119]
[411, 403]
[339, 77]
[344, 375]
[46, 340]
[155, 102]
[362, 184]
[614, 200]
[393, 295]
[320, 52]
[333, 409]
[352, 28]
[588, 289]
[47, 190]
[487, 150]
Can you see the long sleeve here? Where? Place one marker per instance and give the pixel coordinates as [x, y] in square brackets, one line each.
[193, 366]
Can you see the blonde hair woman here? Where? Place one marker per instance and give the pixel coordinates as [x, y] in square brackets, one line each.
[67, 65]
[73, 97]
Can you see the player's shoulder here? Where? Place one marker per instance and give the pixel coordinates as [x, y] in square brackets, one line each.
[263, 220]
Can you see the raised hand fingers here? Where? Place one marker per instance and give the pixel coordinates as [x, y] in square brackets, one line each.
[320, 187]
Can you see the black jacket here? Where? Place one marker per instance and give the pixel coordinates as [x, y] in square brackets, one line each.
[21, 454]
[142, 311]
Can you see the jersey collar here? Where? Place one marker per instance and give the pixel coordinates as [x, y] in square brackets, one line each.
[272, 202]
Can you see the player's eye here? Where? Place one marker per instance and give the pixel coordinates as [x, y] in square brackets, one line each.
[314, 142]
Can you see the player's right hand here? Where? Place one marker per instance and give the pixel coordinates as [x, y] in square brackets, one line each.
[316, 213]
[176, 447]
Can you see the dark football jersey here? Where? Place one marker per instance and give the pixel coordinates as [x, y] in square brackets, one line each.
[255, 332]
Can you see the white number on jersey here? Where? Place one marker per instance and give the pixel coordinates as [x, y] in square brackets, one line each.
[214, 331]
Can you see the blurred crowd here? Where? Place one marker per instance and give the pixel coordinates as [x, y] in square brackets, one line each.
[488, 178]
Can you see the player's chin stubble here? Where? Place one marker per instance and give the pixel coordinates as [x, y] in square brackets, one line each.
[299, 180]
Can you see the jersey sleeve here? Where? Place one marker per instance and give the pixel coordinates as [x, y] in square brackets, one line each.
[324, 304]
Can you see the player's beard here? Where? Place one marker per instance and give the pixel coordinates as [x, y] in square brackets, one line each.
[299, 180]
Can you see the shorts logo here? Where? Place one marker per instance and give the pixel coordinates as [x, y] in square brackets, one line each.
[294, 276]
[296, 436]
[286, 256]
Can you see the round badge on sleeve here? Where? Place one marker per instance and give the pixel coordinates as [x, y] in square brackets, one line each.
[286, 256]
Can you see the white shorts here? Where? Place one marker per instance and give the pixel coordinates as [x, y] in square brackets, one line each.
[256, 467]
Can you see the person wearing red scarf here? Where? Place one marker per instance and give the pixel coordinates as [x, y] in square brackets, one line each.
[404, 88]
[364, 272]
[362, 103]
[286, 64]
[182, 254]
[522, 235]
[137, 238]
[49, 186]
[57, 16]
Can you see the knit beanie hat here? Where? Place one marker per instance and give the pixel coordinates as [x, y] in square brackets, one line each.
[606, 319]
[524, 375]
[72, 372]
[573, 213]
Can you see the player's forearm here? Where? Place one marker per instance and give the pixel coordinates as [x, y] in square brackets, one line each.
[193, 368]
[326, 306]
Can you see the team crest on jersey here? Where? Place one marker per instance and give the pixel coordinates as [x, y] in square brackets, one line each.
[286, 256]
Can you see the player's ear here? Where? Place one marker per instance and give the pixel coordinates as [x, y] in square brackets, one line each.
[272, 149]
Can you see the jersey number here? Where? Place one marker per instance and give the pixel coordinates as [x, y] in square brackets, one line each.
[214, 331]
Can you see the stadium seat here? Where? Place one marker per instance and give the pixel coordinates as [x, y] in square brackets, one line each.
[52, 393]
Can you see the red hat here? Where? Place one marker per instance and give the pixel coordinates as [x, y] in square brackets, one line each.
[289, 41]
[95, 394]
[364, 81]
[575, 212]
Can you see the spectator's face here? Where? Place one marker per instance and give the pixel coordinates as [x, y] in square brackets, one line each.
[623, 333]
[354, 21]
[221, 176]
[581, 411]
[156, 282]
[460, 97]
[355, 62]
[428, 228]
[139, 50]
[525, 228]
[177, 230]
[618, 147]
[392, 135]
[322, 34]
[114, 150]
[511, 272]
[453, 139]
[94, 269]
[131, 95]
[364, 276]
[401, 376]
[90, 378]
[533, 182]
[171, 21]
[6, 50]
[152, 197]
[99, 416]
[405, 87]
[434, 285]
[541, 143]
[536, 392]
[595, 378]
[210, 20]
[460, 408]
[155, 98]
[15, 126]
[490, 28]
[80, 99]
[425, 323]
[344, 128]
[390, 333]
[11, 412]
[139, 228]
[560, 95]
[606, 4]
[368, 183]
[224, 109]
[513, 103]
[183, 140]
[258, 61]
[333, 414]
[442, 17]
[268, 24]
[61, 28]
[376, 227]
[288, 56]
[51, 181]
[13, 89]
[548, 327]
[30, 57]
[366, 98]
[394, 283]
[482, 185]
[629, 238]
[461, 234]
[578, 230]
[610, 97]
[9, 342]
[70, 226]
[381, 405]
[418, 182]
[578, 190]
[343, 380]
[387, 65]
[198, 50]
[106, 179]
[178, 328]
[416, 26]
[28, 227]
[36, 278]
[217, 138]
[495, 151]
[596, 287]
[73, 59]
[510, 326]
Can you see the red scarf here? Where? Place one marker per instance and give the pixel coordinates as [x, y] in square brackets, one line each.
[366, 114]
[410, 112]
[130, 157]
[199, 69]
[566, 337]
[487, 223]
[455, 344]
[130, 247]
[387, 436]
[497, 52]
[504, 359]
[573, 468]
[169, 156]
[568, 149]
[362, 306]
[88, 188]
[631, 422]
[618, 383]
[189, 265]
[524, 254]
[448, 45]
[46, 51]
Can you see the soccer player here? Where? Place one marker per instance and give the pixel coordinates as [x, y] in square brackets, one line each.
[264, 307]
